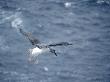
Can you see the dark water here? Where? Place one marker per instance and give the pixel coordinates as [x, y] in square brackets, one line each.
[86, 23]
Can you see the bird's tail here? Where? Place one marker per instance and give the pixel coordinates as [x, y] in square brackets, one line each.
[53, 51]
[32, 58]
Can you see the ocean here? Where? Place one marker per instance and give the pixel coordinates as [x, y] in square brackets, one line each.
[85, 23]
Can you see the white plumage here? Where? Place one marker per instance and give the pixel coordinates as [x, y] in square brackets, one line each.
[34, 52]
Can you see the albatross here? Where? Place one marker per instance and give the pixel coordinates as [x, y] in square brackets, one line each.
[38, 47]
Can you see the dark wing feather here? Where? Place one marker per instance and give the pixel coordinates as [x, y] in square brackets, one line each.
[33, 40]
[60, 44]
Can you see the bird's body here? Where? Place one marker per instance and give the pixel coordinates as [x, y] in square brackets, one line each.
[35, 52]
[38, 51]
[40, 48]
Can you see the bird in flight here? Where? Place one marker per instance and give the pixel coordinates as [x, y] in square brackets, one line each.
[40, 48]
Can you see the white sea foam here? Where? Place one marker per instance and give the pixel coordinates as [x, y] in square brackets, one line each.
[8, 16]
[68, 4]
[13, 18]
[46, 69]
[17, 23]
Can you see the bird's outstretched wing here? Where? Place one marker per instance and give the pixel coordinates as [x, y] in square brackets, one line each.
[33, 40]
[57, 44]
[60, 44]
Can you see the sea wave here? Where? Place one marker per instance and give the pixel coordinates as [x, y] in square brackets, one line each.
[14, 19]
[99, 2]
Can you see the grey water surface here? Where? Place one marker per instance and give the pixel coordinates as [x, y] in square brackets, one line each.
[85, 23]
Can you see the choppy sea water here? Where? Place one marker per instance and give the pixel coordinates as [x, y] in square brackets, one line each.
[86, 23]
